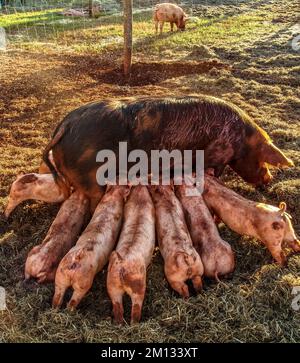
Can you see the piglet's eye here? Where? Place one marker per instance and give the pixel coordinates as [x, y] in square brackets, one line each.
[276, 225]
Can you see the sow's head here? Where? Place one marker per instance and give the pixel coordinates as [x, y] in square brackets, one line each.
[257, 156]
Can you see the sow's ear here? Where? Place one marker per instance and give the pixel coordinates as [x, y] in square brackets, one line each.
[272, 155]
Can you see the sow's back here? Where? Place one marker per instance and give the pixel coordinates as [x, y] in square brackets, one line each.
[227, 135]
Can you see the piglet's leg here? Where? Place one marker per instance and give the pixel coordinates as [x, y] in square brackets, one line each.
[76, 298]
[161, 26]
[181, 288]
[136, 309]
[118, 311]
[116, 296]
[59, 295]
[197, 283]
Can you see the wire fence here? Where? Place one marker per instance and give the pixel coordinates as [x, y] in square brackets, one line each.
[63, 23]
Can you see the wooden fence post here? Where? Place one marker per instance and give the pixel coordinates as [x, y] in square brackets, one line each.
[127, 36]
[91, 10]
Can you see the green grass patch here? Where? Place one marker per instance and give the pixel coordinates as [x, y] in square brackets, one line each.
[91, 35]
[23, 20]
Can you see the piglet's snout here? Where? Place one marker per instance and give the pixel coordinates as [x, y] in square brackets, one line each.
[295, 245]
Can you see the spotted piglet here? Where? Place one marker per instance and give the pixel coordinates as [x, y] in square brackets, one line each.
[128, 263]
[33, 186]
[42, 260]
[182, 261]
[265, 222]
[216, 254]
[92, 250]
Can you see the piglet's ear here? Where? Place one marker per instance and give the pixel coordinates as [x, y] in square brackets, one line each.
[282, 207]
[273, 156]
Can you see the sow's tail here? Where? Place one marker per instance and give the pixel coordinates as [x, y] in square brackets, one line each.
[57, 175]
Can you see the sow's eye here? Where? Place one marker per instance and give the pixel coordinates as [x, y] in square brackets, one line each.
[276, 225]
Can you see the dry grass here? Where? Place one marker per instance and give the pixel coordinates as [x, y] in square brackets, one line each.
[39, 87]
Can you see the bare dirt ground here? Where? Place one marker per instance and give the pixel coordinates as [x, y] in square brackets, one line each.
[37, 89]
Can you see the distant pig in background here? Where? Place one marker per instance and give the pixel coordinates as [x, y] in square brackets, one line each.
[169, 13]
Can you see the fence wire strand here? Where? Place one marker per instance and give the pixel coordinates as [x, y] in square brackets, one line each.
[30, 21]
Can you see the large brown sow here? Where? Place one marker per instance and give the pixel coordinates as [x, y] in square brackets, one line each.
[227, 135]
